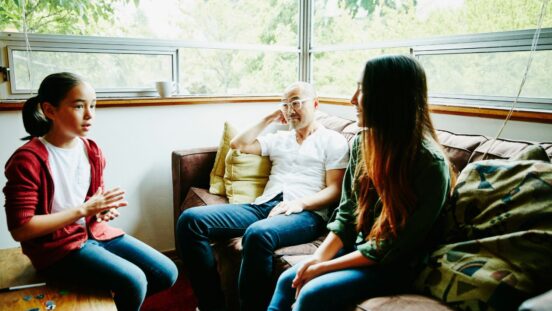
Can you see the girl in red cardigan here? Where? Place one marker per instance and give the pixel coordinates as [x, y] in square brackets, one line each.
[58, 208]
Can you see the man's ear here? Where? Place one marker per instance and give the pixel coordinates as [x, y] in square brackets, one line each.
[316, 103]
[48, 110]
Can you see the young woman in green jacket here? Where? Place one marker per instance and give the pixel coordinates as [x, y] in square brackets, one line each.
[394, 189]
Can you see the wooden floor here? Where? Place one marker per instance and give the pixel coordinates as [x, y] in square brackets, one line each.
[16, 270]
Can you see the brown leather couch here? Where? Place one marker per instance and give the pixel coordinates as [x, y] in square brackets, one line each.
[191, 168]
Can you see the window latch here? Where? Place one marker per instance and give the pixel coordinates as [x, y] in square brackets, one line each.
[4, 73]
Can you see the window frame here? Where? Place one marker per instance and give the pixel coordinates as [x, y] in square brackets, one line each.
[511, 41]
[10, 42]
[506, 41]
[102, 91]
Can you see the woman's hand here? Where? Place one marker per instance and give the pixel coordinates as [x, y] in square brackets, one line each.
[104, 204]
[308, 271]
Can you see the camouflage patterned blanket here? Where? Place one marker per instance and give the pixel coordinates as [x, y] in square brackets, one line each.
[498, 235]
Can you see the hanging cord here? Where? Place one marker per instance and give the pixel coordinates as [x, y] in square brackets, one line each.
[28, 49]
[529, 61]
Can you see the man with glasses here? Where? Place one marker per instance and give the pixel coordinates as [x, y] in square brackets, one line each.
[308, 163]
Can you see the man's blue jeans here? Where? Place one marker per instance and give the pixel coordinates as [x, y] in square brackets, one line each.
[124, 265]
[338, 290]
[198, 226]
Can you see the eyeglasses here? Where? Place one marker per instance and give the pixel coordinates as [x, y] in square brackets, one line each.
[295, 104]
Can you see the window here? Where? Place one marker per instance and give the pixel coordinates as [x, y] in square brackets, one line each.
[106, 71]
[487, 75]
[122, 47]
[474, 51]
[336, 73]
[217, 71]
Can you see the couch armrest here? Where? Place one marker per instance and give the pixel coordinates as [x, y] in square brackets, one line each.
[190, 168]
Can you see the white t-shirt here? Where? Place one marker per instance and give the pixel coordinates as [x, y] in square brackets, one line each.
[70, 170]
[300, 170]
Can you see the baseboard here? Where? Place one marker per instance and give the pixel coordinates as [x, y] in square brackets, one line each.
[171, 253]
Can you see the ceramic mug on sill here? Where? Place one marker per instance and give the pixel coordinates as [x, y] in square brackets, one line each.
[165, 88]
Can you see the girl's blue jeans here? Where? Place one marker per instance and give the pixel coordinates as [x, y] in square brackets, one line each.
[124, 265]
[340, 289]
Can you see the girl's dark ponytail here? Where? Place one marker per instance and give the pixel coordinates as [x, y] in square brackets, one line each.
[52, 90]
[36, 124]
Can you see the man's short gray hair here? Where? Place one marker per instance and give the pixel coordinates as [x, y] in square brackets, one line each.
[306, 88]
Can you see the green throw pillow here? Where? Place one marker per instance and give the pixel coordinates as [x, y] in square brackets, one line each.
[532, 152]
[498, 237]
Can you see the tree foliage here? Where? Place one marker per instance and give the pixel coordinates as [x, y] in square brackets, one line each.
[275, 22]
[56, 16]
[373, 6]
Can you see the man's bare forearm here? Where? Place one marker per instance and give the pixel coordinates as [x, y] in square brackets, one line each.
[249, 136]
[325, 197]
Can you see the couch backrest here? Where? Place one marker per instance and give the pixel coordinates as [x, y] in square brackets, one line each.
[460, 148]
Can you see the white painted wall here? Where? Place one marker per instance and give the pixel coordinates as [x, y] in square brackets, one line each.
[138, 142]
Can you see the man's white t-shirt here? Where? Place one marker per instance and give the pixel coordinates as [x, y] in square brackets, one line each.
[299, 170]
[70, 170]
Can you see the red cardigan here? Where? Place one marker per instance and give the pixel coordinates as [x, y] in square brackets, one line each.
[29, 191]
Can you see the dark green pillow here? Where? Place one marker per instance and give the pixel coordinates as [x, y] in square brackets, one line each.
[532, 152]
[498, 236]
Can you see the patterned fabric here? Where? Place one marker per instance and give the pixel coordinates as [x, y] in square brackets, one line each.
[498, 235]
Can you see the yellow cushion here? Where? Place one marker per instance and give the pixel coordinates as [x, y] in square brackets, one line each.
[216, 184]
[245, 176]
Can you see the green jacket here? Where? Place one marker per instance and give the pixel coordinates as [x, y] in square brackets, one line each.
[432, 188]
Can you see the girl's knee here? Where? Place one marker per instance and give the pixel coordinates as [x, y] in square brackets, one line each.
[168, 275]
[305, 302]
[311, 298]
[131, 289]
[138, 280]
[286, 278]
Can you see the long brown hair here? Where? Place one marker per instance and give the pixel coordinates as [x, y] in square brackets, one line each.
[396, 119]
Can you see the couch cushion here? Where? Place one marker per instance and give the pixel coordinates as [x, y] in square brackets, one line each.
[548, 148]
[332, 122]
[201, 197]
[401, 303]
[532, 152]
[286, 257]
[459, 148]
[501, 149]
[350, 131]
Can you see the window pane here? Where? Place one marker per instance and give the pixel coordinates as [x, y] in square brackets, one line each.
[488, 74]
[335, 74]
[236, 21]
[207, 71]
[105, 71]
[357, 22]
